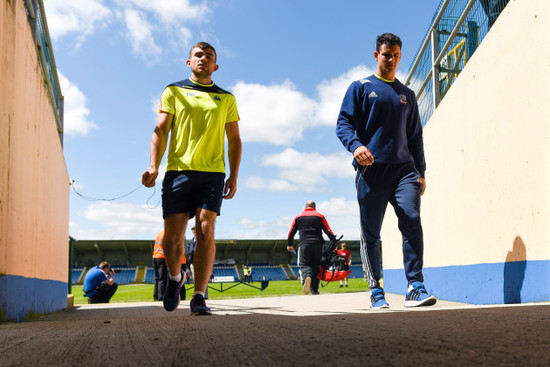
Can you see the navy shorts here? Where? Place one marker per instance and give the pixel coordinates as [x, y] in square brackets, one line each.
[186, 191]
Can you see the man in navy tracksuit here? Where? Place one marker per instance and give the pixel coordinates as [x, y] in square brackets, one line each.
[310, 223]
[379, 123]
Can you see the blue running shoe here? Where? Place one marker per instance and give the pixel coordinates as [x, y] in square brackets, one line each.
[198, 306]
[377, 299]
[171, 297]
[418, 296]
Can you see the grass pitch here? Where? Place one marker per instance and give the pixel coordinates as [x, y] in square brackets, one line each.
[144, 292]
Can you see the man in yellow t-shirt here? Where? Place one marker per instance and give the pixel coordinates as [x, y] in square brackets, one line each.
[197, 115]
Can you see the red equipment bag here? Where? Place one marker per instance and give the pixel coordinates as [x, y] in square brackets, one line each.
[332, 275]
[333, 267]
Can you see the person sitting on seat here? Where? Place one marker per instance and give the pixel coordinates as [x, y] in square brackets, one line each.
[99, 284]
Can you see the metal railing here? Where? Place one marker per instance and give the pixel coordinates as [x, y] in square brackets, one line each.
[39, 27]
[457, 29]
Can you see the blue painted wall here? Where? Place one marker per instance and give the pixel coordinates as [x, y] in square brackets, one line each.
[507, 282]
[20, 296]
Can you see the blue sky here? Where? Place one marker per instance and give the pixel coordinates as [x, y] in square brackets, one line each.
[288, 64]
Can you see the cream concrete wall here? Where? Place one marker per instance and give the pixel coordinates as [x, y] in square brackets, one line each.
[488, 152]
[34, 184]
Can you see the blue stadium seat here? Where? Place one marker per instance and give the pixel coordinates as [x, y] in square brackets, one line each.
[225, 271]
[75, 275]
[150, 276]
[126, 275]
[267, 272]
[356, 272]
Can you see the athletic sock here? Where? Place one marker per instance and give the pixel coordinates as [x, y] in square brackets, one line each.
[176, 278]
[197, 292]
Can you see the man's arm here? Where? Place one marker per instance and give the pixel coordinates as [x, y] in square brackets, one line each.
[347, 126]
[234, 152]
[327, 229]
[158, 146]
[110, 278]
[291, 234]
[416, 142]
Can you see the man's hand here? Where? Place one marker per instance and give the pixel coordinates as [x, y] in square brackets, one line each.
[290, 248]
[149, 177]
[230, 188]
[363, 156]
[423, 182]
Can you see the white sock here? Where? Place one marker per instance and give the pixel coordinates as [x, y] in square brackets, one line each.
[197, 292]
[176, 278]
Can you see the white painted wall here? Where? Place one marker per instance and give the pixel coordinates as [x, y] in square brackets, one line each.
[488, 152]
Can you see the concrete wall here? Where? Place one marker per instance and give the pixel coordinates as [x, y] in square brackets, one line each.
[486, 210]
[34, 184]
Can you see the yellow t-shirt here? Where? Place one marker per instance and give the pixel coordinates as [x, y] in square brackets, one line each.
[198, 127]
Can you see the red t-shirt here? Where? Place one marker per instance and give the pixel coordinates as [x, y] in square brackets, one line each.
[345, 253]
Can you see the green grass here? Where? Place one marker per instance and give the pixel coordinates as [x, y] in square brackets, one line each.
[144, 292]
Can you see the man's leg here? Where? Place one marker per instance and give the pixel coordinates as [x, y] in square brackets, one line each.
[174, 236]
[373, 200]
[104, 293]
[316, 254]
[406, 202]
[206, 248]
[304, 262]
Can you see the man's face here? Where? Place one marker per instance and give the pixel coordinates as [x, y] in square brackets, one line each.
[202, 62]
[388, 58]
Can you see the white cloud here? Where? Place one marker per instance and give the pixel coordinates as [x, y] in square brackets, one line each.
[120, 221]
[302, 171]
[338, 207]
[279, 114]
[140, 34]
[147, 22]
[76, 117]
[331, 93]
[155, 104]
[274, 185]
[76, 17]
[341, 224]
[252, 228]
[171, 12]
[275, 114]
[166, 19]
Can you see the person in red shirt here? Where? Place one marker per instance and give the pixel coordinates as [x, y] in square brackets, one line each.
[344, 252]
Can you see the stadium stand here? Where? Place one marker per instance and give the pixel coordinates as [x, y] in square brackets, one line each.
[268, 272]
[126, 275]
[268, 259]
[356, 272]
[150, 276]
[77, 275]
[225, 271]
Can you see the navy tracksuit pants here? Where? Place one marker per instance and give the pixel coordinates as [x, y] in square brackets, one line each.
[397, 184]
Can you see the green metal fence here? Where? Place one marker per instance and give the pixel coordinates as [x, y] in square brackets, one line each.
[39, 27]
[457, 29]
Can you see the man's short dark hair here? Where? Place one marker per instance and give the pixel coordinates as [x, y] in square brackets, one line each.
[203, 46]
[104, 264]
[389, 39]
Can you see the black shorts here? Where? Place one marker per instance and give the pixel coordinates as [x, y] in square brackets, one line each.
[186, 191]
